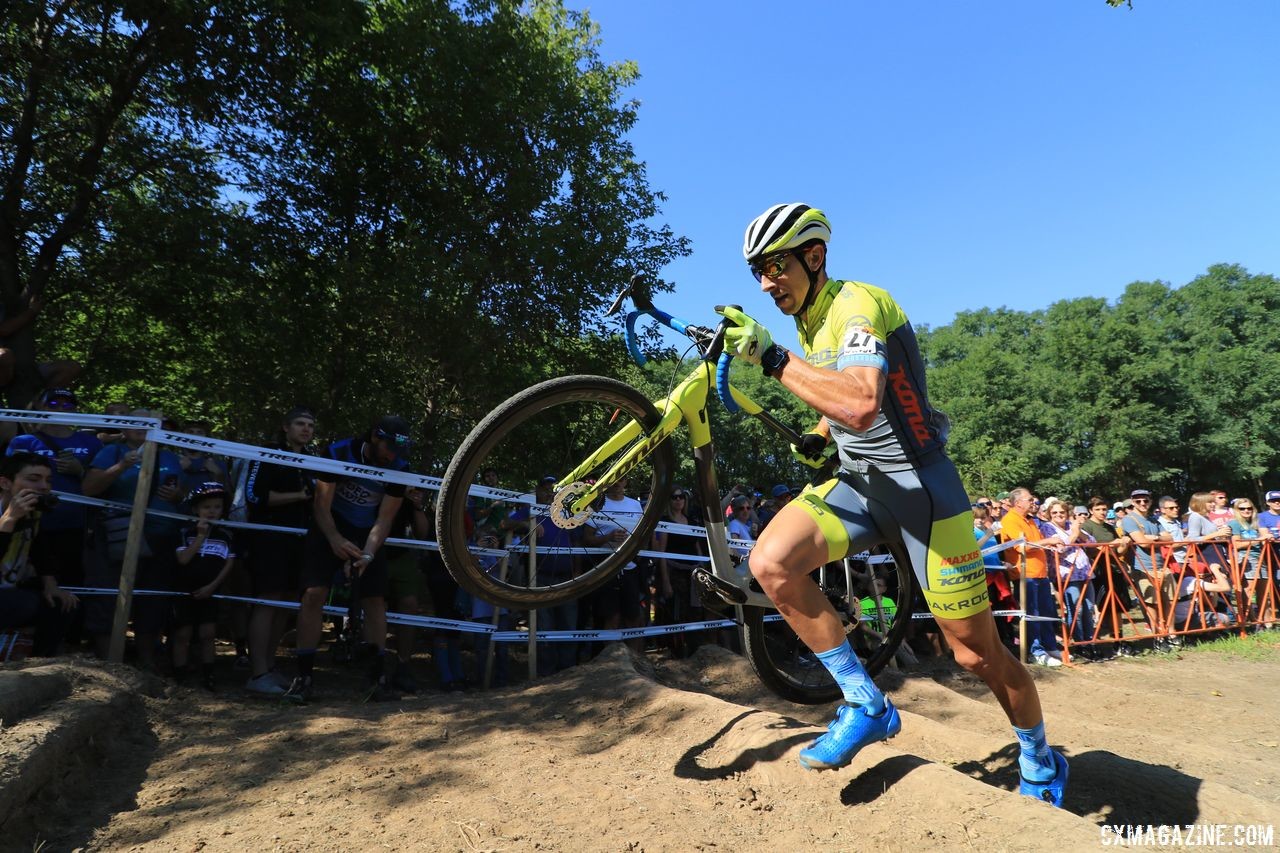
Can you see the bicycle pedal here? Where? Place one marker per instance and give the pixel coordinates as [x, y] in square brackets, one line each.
[720, 588]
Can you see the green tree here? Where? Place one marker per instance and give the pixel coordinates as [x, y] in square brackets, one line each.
[391, 205]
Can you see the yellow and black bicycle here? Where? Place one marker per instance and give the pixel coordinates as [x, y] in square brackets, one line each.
[591, 433]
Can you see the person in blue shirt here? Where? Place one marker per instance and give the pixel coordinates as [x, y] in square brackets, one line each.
[351, 519]
[1270, 517]
[1147, 537]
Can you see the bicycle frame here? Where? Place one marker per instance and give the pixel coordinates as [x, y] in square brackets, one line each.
[687, 404]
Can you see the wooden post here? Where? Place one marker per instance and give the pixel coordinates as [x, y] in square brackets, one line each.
[133, 546]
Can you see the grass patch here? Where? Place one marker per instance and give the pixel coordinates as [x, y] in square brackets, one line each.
[1263, 646]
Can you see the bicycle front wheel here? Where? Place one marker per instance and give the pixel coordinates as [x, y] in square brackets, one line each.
[515, 468]
[787, 667]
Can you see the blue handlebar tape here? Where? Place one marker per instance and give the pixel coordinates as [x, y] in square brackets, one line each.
[722, 384]
[632, 347]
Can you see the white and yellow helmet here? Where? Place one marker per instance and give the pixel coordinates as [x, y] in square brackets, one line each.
[784, 226]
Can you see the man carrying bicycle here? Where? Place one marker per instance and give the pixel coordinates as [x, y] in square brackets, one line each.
[862, 372]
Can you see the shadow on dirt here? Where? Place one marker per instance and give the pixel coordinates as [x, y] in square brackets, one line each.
[688, 767]
[1118, 790]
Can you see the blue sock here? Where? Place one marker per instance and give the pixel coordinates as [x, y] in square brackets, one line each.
[1035, 762]
[855, 684]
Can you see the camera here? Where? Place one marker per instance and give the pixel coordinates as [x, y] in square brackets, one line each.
[44, 503]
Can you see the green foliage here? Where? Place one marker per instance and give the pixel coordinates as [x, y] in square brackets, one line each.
[1171, 389]
[396, 205]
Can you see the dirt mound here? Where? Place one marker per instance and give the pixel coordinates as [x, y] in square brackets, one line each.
[74, 746]
[623, 754]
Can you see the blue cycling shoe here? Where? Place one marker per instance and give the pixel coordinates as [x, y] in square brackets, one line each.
[851, 730]
[1053, 790]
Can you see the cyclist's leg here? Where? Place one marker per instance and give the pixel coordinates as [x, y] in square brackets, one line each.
[789, 549]
[808, 532]
[952, 577]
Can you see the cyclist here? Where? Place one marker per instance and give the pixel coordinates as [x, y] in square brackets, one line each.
[863, 374]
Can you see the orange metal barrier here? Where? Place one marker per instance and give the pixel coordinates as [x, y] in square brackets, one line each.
[1145, 596]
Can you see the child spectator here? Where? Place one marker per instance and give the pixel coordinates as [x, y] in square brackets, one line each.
[204, 557]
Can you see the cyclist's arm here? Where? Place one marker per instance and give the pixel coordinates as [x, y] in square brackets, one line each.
[850, 397]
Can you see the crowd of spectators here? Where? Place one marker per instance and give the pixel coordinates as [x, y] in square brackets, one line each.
[1173, 570]
[1101, 564]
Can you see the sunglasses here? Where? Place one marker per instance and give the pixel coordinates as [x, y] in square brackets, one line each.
[984, 503]
[1142, 500]
[678, 497]
[60, 404]
[1245, 508]
[770, 265]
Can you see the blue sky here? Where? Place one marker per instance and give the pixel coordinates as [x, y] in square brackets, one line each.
[968, 154]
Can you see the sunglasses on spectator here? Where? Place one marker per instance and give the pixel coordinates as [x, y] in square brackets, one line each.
[1142, 500]
[1244, 508]
[984, 503]
[60, 404]
[678, 496]
[770, 265]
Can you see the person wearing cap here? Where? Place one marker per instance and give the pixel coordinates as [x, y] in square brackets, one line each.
[780, 497]
[278, 495]
[71, 450]
[351, 519]
[1147, 537]
[1270, 517]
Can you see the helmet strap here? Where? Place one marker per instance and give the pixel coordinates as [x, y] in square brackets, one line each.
[813, 280]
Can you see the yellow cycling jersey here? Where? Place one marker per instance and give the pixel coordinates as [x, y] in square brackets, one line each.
[851, 323]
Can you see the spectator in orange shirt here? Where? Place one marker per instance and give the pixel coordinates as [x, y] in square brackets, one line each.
[1039, 599]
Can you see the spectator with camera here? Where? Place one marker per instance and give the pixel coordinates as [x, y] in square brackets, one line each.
[29, 590]
[71, 451]
[278, 495]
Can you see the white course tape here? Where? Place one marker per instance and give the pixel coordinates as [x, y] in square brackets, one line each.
[77, 419]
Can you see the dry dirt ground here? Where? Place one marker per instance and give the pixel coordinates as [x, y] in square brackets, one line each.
[624, 754]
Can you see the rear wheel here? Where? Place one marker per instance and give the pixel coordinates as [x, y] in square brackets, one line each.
[550, 430]
[786, 665]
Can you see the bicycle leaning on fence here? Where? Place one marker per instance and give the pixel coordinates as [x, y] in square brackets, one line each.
[591, 432]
